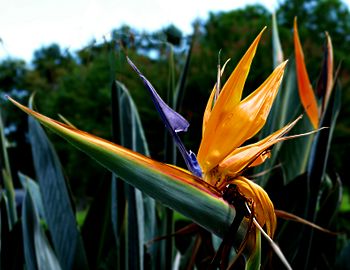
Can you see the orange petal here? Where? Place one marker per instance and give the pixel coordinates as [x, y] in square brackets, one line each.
[306, 92]
[261, 159]
[211, 100]
[231, 93]
[263, 207]
[236, 124]
[233, 88]
[253, 154]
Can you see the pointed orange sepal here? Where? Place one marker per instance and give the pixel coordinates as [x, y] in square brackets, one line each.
[232, 90]
[252, 154]
[306, 93]
[228, 127]
[211, 100]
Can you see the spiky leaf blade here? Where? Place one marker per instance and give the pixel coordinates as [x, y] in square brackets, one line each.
[57, 204]
[34, 189]
[38, 252]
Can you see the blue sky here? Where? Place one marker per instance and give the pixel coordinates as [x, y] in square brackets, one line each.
[26, 25]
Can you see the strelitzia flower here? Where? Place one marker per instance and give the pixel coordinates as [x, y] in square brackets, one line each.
[227, 123]
[222, 159]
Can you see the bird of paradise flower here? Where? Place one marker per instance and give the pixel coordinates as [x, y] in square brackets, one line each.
[228, 122]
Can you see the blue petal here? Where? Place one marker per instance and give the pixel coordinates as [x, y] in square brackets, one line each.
[195, 167]
[174, 123]
[174, 119]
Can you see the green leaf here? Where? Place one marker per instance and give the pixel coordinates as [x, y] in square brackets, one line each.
[97, 228]
[284, 111]
[307, 188]
[170, 98]
[254, 261]
[286, 108]
[33, 187]
[277, 52]
[131, 131]
[7, 177]
[38, 253]
[316, 173]
[57, 204]
[118, 196]
[343, 260]
[330, 201]
[320, 150]
[327, 217]
[294, 154]
[117, 218]
[141, 227]
[180, 87]
[286, 200]
[291, 155]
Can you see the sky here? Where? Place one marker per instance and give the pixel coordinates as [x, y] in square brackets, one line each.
[27, 25]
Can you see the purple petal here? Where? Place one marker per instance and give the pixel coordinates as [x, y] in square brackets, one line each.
[174, 123]
[174, 119]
